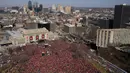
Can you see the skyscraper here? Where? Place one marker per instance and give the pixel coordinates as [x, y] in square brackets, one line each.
[58, 8]
[40, 7]
[25, 9]
[30, 5]
[36, 9]
[54, 8]
[35, 4]
[61, 9]
[121, 16]
[68, 9]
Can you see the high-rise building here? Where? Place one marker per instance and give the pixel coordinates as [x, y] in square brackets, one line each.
[45, 10]
[25, 9]
[58, 8]
[61, 9]
[68, 9]
[54, 7]
[30, 5]
[121, 16]
[36, 4]
[36, 9]
[40, 7]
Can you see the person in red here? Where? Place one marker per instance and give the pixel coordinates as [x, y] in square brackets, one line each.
[43, 53]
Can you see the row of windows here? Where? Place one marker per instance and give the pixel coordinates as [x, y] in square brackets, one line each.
[37, 37]
[103, 38]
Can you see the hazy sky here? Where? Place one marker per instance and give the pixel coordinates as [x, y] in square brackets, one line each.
[78, 3]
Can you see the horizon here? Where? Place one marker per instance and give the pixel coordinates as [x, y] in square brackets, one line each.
[76, 3]
[57, 4]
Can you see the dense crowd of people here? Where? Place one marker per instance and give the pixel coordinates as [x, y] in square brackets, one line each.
[60, 57]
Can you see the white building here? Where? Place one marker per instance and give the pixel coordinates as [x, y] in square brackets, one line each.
[24, 36]
[33, 35]
[25, 9]
[112, 37]
[15, 37]
[14, 11]
[54, 7]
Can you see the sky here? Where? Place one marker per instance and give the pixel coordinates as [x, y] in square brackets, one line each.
[77, 3]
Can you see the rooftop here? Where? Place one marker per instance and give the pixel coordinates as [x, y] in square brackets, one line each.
[70, 25]
[32, 31]
[115, 29]
[14, 34]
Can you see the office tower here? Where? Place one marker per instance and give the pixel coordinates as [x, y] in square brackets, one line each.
[35, 4]
[121, 16]
[36, 9]
[68, 9]
[40, 7]
[58, 8]
[54, 7]
[25, 9]
[30, 5]
[46, 10]
[61, 9]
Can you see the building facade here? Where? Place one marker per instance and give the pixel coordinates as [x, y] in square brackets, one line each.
[25, 36]
[25, 9]
[40, 7]
[33, 35]
[68, 9]
[30, 6]
[69, 28]
[112, 37]
[54, 7]
[121, 16]
[103, 23]
[15, 37]
[36, 8]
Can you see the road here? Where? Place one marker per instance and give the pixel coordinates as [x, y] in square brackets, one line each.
[106, 64]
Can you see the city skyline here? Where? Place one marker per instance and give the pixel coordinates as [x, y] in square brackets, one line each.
[77, 3]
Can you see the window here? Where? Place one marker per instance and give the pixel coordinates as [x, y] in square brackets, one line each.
[31, 37]
[43, 36]
[37, 37]
[27, 38]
